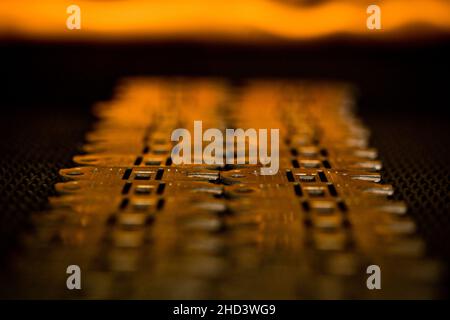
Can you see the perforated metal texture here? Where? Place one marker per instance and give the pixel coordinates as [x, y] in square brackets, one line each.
[414, 150]
[36, 143]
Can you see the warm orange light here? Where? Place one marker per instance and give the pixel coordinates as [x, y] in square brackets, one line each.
[236, 19]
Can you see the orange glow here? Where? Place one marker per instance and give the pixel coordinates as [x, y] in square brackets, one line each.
[234, 19]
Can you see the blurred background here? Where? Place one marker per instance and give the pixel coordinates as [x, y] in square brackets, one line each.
[51, 76]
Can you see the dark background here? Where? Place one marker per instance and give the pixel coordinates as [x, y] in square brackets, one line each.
[49, 88]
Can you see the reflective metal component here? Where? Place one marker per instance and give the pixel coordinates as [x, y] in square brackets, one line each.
[225, 231]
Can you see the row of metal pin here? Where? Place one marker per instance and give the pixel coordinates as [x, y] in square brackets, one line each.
[198, 231]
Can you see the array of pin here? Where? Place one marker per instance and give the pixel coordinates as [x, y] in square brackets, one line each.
[141, 227]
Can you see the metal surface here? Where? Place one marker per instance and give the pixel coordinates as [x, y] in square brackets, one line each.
[141, 227]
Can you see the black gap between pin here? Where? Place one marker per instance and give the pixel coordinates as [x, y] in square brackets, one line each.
[305, 206]
[126, 174]
[290, 176]
[159, 174]
[126, 188]
[324, 152]
[160, 204]
[294, 152]
[332, 190]
[161, 188]
[124, 204]
[322, 176]
[298, 190]
[138, 161]
[342, 206]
